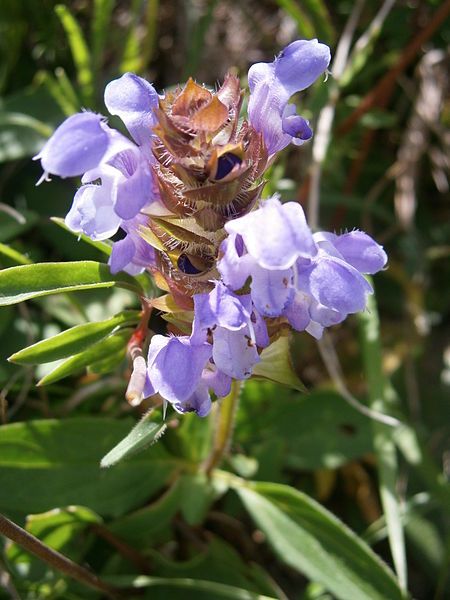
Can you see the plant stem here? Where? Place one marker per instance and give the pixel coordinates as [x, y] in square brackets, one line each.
[383, 441]
[53, 558]
[224, 427]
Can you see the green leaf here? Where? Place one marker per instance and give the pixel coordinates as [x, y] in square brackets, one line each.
[198, 494]
[72, 341]
[48, 463]
[316, 430]
[191, 588]
[58, 529]
[311, 540]
[147, 525]
[276, 365]
[30, 281]
[105, 247]
[197, 31]
[193, 438]
[28, 117]
[320, 16]
[108, 364]
[219, 567]
[15, 224]
[60, 90]
[112, 344]
[80, 52]
[144, 434]
[14, 255]
[383, 440]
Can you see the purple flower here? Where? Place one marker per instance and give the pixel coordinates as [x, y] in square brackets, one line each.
[117, 177]
[134, 100]
[182, 373]
[265, 245]
[331, 286]
[132, 254]
[175, 368]
[271, 86]
[76, 146]
[313, 281]
[236, 331]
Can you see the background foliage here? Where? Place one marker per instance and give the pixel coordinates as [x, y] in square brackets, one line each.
[270, 522]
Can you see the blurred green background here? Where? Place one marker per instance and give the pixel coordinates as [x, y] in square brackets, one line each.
[380, 163]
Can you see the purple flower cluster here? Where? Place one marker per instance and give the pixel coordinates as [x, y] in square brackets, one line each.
[313, 280]
[269, 264]
[117, 176]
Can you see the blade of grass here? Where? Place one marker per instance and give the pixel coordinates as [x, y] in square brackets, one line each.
[383, 437]
[363, 48]
[65, 103]
[148, 45]
[99, 32]
[197, 40]
[131, 60]
[16, 118]
[80, 53]
[294, 10]
[66, 87]
[321, 19]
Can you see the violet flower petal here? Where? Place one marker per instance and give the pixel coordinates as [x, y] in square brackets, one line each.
[336, 285]
[222, 308]
[122, 254]
[271, 290]
[76, 146]
[275, 235]
[272, 84]
[361, 251]
[234, 353]
[175, 366]
[92, 212]
[133, 99]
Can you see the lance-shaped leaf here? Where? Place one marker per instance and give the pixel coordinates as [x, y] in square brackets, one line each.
[311, 540]
[145, 433]
[276, 365]
[31, 281]
[72, 341]
[14, 255]
[113, 344]
[47, 462]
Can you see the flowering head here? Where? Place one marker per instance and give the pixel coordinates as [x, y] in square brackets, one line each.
[185, 191]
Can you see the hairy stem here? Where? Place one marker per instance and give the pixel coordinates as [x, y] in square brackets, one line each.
[55, 559]
[224, 427]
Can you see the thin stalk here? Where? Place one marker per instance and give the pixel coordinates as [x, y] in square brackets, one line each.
[333, 366]
[383, 440]
[224, 428]
[55, 559]
[326, 116]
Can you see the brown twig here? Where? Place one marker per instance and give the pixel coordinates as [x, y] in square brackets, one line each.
[55, 559]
